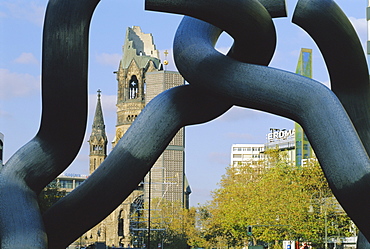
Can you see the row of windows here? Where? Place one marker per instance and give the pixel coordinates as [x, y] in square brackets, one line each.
[248, 156]
[69, 183]
[248, 149]
[178, 139]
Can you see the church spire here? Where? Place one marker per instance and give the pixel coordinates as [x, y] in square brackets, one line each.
[98, 125]
[98, 140]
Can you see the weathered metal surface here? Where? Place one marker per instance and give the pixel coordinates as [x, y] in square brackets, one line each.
[64, 76]
[231, 17]
[217, 82]
[303, 100]
[314, 106]
[129, 161]
[133, 156]
[349, 78]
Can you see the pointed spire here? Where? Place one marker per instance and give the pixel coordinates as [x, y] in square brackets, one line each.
[98, 118]
[98, 138]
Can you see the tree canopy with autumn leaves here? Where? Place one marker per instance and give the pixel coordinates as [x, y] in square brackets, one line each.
[279, 201]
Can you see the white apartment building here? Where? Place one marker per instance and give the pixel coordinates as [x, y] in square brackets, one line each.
[292, 142]
[246, 154]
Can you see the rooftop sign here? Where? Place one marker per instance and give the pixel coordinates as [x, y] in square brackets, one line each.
[278, 135]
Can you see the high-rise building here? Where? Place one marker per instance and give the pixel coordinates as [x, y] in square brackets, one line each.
[302, 145]
[167, 179]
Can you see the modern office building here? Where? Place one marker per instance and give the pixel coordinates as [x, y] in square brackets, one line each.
[69, 182]
[284, 140]
[255, 154]
[303, 148]
[167, 178]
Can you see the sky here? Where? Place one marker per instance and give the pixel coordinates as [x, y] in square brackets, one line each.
[207, 146]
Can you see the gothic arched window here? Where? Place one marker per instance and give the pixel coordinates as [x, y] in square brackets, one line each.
[120, 224]
[133, 87]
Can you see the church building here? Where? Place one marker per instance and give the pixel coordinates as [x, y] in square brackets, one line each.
[140, 78]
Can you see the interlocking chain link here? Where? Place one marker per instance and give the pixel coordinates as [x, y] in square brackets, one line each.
[216, 83]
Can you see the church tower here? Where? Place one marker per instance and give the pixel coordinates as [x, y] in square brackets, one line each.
[140, 78]
[140, 56]
[98, 140]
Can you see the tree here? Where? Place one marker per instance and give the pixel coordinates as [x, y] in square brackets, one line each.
[50, 195]
[62, 127]
[279, 201]
[167, 224]
[177, 227]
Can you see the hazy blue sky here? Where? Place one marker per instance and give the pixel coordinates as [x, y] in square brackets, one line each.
[207, 145]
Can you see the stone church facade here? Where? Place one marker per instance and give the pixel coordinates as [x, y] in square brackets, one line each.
[140, 78]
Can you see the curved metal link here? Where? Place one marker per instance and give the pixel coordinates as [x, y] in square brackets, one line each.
[317, 109]
[133, 156]
[31, 168]
[311, 104]
[217, 82]
[232, 17]
[129, 161]
[349, 77]
[346, 61]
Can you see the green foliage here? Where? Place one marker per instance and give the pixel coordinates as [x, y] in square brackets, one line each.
[168, 221]
[280, 202]
[176, 227]
[50, 195]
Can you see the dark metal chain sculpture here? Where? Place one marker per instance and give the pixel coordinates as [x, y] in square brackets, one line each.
[334, 120]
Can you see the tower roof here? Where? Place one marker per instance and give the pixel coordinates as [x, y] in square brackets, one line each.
[139, 47]
[98, 127]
